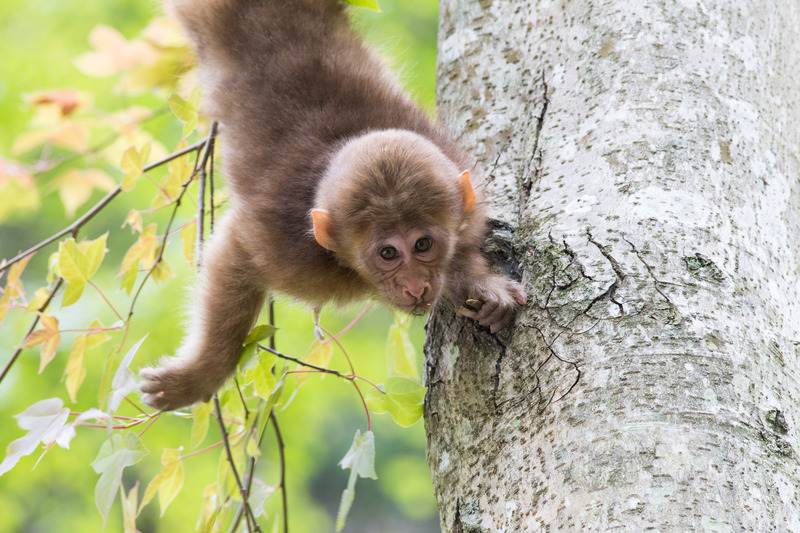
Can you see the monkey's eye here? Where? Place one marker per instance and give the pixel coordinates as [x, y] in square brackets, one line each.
[423, 245]
[388, 252]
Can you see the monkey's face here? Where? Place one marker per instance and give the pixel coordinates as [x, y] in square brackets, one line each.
[407, 267]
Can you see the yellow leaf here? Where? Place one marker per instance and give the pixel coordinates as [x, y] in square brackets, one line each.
[143, 250]
[170, 187]
[95, 251]
[189, 238]
[127, 121]
[72, 135]
[70, 266]
[15, 272]
[129, 505]
[17, 189]
[162, 271]
[129, 279]
[72, 294]
[98, 337]
[134, 220]
[77, 263]
[38, 300]
[168, 482]
[48, 336]
[75, 370]
[208, 512]
[200, 416]
[318, 354]
[29, 140]
[4, 301]
[75, 187]
[132, 164]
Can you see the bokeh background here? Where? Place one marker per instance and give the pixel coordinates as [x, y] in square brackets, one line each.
[39, 40]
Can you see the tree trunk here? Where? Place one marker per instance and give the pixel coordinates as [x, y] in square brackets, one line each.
[647, 156]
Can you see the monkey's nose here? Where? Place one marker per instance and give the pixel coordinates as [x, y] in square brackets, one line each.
[416, 289]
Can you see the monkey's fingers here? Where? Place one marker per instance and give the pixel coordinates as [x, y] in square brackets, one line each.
[470, 308]
[518, 292]
[467, 312]
[496, 313]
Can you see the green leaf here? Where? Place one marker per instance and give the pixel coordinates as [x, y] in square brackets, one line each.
[360, 459]
[260, 375]
[401, 356]
[369, 4]
[186, 110]
[259, 333]
[200, 416]
[403, 399]
[115, 454]
[226, 482]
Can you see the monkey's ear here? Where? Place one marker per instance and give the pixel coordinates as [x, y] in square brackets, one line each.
[467, 192]
[323, 231]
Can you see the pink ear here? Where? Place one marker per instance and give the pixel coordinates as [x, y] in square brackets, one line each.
[467, 192]
[323, 232]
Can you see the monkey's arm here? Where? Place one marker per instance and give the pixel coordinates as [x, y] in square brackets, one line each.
[228, 300]
[471, 279]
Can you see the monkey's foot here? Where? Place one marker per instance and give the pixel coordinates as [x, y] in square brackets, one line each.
[495, 303]
[169, 388]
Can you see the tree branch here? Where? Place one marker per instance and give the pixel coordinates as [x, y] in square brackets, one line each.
[90, 214]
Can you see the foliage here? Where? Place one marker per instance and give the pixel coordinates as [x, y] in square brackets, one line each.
[74, 151]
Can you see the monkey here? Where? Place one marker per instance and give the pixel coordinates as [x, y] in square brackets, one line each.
[342, 188]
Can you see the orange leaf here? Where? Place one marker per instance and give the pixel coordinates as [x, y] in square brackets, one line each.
[48, 336]
[65, 100]
[75, 187]
[113, 53]
[143, 250]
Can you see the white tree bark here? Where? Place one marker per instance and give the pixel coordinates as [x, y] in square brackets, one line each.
[649, 154]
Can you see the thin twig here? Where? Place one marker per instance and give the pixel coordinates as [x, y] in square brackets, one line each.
[251, 521]
[30, 330]
[303, 363]
[281, 455]
[75, 226]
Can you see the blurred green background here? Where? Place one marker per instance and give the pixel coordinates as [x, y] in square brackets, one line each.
[40, 39]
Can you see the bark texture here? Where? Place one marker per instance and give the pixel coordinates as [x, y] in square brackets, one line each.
[644, 159]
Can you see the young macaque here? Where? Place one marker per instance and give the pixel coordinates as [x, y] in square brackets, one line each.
[342, 188]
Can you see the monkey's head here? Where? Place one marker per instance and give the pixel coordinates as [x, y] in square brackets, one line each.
[391, 206]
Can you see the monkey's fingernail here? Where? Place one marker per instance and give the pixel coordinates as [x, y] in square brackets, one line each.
[318, 333]
[467, 312]
[473, 304]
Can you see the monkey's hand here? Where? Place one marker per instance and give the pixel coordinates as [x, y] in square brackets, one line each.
[491, 301]
[174, 386]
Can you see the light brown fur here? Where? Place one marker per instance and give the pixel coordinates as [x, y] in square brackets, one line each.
[311, 121]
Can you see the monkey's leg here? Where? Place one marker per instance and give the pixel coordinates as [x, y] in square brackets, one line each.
[227, 302]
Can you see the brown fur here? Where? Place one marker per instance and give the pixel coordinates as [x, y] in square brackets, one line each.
[311, 120]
